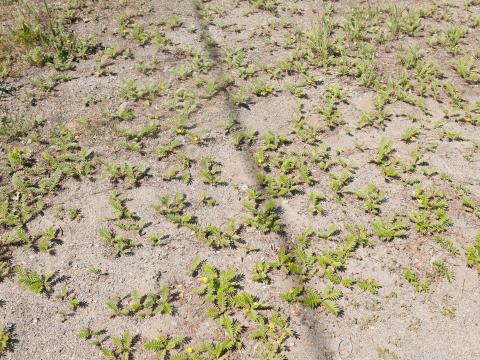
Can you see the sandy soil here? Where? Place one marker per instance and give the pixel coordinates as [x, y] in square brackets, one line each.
[178, 46]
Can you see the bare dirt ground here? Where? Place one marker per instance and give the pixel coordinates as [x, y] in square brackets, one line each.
[233, 179]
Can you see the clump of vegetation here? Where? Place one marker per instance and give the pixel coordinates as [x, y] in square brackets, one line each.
[473, 254]
[34, 281]
[264, 217]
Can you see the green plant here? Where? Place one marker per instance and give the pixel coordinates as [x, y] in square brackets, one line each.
[124, 113]
[142, 305]
[132, 174]
[131, 91]
[172, 207]
[219, 288]
[372, 198]
[315, 207]
[260, 271]
[74, 213]
[410, 135]
[328, 233]
[465, 67]
[207, 200]
[450, 38]
[442, 269]
[6, 339]
[37, 282]
[124, 218]
[209, 170]
[271, 141]
[241, 98]
[414, 280]
[155, 239]
[250, 304]
[265, 217]
[261, 88]
[447, 244]
[166, 150]
[313, 299]
[339, 182]
[281, 186]
[473, 254]
[271, 334]
[94, 335]
[244, 138]
[163, 346]
[49, 41]
[393, 227]
[230, 125]
[216, 238]
[120, 245]
[385, 160]
[330, 114]
[369, 285]
[122, 347]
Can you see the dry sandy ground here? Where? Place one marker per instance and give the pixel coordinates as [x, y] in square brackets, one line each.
[182, 45]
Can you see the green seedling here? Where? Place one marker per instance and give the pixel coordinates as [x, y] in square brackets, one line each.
[209, 170]
[393, 227]
[411, 134]
[6, 340]
[131, 174]
[260, 271]
[414, 280]
[372, 198]
[244, 138]
[119, 244]
[441, 269]
[219, 287]
[315, 207]
[218, 239]
[265, 218]
[164, 346]
[155, 239]
[36, 282]
[122, 347]
[313, 299]
[473, 254]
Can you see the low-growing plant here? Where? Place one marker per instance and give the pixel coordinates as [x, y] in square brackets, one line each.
[241, 98]
[473, 254]
[372, 198]
[209, 170]
[260, 271]
[261, 88]
[142, 305]
[447, 244]
[36, 282]
[164, 346]
[413, 279]
[6, 339]
[131, 174]
[411, 134]
[393, 227]
[441, 269]
[313, 299]
[465, 67]
[315, 207]
[119, 244]
[244, 138]
[264, 217]
[219, 287]
[218, 239]
[369, 285]
[122, 347]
